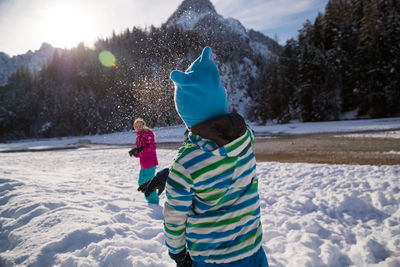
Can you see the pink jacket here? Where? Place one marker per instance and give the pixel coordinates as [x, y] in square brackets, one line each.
[148, 157]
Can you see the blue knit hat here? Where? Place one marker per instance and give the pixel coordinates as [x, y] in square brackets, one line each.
[199, 94]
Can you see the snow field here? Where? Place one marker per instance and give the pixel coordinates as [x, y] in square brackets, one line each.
[330, 215]
[81, 208]
[77, 208]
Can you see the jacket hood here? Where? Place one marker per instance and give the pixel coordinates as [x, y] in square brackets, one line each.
[221, 130]
[229, 132]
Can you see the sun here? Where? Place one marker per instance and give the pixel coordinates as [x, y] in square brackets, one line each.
[65, 26]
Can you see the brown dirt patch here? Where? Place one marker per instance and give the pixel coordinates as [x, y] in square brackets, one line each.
[324, 148]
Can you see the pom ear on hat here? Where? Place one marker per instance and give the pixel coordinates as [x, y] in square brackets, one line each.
[206, 53]
[199, 94]
[178, 76]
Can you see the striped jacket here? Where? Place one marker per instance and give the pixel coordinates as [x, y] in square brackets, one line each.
[212, 202]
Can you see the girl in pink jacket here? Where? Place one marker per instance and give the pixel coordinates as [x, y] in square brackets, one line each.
[146, 152]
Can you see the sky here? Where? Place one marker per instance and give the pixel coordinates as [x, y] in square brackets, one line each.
[26, 24]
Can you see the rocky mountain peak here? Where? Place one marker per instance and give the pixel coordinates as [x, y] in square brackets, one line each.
[32, 60]
[190, 12]
[46, 47]
[197, 6]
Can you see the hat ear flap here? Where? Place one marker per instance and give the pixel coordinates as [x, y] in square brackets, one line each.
[206, 53]
[178, 76]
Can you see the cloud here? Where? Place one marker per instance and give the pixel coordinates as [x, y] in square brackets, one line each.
[268, 14]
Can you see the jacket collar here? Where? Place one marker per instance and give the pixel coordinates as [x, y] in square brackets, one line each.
[236, 148]
[227, 135]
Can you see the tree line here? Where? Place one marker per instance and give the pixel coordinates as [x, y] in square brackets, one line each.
[345, 63]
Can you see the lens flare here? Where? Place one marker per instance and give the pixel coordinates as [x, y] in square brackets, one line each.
[107, 58]
[90, 45]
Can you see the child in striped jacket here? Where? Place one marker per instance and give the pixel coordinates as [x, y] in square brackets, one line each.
[212, 212]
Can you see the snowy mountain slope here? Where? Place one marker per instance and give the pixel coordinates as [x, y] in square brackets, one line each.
[261, 43]
[202, 15]
[6, 68]
[33, 61]
[234, 77]
[195, 13]
[239, 52]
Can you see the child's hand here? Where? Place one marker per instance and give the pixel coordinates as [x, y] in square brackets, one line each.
[157, 182]
[182, 259]
[135, 151]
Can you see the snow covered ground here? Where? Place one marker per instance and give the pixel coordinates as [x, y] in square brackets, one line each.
[387, 134]
[80, 207]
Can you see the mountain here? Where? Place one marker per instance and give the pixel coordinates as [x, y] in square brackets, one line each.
[33, 61]
[239, 52]
[78, 95]
[201, 15]
[6, 68]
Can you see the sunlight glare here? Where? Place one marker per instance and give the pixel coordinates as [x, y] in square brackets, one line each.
[65, 26]
[90, 45]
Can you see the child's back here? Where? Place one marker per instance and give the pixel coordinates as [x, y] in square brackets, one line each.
[215, 190]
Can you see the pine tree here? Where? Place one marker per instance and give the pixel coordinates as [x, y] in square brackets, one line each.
[371, 55]
[289, 65]
[390, 16]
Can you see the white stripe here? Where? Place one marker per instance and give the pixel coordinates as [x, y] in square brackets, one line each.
[214, 239]
[194, 220]
[227, 251]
